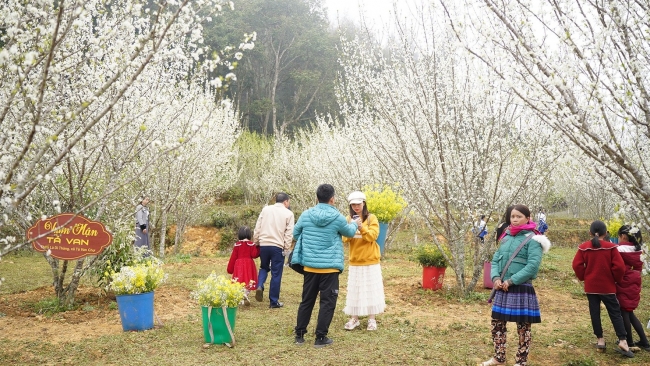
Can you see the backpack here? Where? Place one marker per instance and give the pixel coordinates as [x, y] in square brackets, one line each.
[483, 233]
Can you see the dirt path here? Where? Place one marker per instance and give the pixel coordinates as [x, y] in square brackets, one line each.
[95, 318]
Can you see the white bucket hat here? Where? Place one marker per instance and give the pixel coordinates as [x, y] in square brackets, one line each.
[356, 197]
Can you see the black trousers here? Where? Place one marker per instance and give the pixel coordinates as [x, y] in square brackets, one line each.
[328, 286]
[630, 320]
[614, 311]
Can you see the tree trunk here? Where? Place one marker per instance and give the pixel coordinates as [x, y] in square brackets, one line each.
[65, 294]
[274, 87]
[265, 123]
[68, 296]
[54, 264]
[180, 230]
[163, 234]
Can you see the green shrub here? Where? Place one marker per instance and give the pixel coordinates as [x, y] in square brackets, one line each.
[234, 217]
[227, 239]
[117, 255]
[48, 306]
[221, 219]
[248, 214]
[429, 256]
[233, 194]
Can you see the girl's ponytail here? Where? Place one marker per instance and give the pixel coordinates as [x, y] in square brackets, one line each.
[595, 242]
[597, 229]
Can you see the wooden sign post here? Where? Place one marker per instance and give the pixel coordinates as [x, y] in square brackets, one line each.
[68, 236]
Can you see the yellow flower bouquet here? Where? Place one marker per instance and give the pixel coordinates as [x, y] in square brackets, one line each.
[139, 278]
[383, 202]
[219, 291]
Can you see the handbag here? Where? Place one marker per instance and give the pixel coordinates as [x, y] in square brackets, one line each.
[296, 266]
[505, 268]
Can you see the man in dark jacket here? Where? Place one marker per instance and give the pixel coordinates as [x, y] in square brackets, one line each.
[320, 250]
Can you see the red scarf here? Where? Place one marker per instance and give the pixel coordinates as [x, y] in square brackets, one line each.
[514, 230]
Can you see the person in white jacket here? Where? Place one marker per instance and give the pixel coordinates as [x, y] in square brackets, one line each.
[273, 233]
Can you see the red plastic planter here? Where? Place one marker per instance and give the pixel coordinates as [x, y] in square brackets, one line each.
[432, 277]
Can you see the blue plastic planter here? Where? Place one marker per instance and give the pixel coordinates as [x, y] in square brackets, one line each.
[136, 311]
[381, 240]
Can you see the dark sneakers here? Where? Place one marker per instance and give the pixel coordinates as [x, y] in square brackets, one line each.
[300, 340]
[276, 305]
[259, 294]
[645, 347]
[322, 342]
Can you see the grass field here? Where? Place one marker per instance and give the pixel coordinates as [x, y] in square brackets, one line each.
[419, 327]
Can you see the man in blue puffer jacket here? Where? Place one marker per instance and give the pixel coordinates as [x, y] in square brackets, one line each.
[320, 250]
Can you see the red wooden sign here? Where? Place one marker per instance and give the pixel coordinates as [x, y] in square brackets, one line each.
[69, 236]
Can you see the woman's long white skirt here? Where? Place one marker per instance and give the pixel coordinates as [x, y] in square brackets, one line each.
[365, 291]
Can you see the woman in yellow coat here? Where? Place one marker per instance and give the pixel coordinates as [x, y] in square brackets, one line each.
[365, 294]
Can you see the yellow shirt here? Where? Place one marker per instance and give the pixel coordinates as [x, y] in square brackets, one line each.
[364, 250]
[321, 270]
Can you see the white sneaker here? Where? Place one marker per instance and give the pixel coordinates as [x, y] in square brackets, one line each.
[352, 323]
[372, 324]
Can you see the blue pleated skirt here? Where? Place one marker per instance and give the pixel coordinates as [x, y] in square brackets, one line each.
[519, 304]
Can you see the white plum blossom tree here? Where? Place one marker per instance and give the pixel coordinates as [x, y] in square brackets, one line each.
[66, 65]
[448, 131]
[187, 180]
[91, 94]
[426, 116]
[582, 68]
[326, 153]
[174, 155]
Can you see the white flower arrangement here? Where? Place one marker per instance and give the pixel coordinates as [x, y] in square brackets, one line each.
[138, 279]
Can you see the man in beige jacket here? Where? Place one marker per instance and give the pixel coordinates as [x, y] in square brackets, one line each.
[273, 233]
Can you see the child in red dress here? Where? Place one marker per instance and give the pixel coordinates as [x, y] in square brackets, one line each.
[601, 266]
[628, 289]
[241, 264]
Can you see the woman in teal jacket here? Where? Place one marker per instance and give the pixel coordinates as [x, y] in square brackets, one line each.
[515, 299]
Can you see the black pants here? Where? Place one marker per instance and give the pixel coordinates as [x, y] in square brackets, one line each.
[328, 286]
[630, 320]
[614, 311]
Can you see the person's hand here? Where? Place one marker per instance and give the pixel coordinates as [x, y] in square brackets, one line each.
[497, 284]
[144, 231]
[505, 285]
[285, 252]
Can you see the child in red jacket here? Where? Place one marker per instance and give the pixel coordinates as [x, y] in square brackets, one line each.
[241, 264]
[600, 266]
[628, 290]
